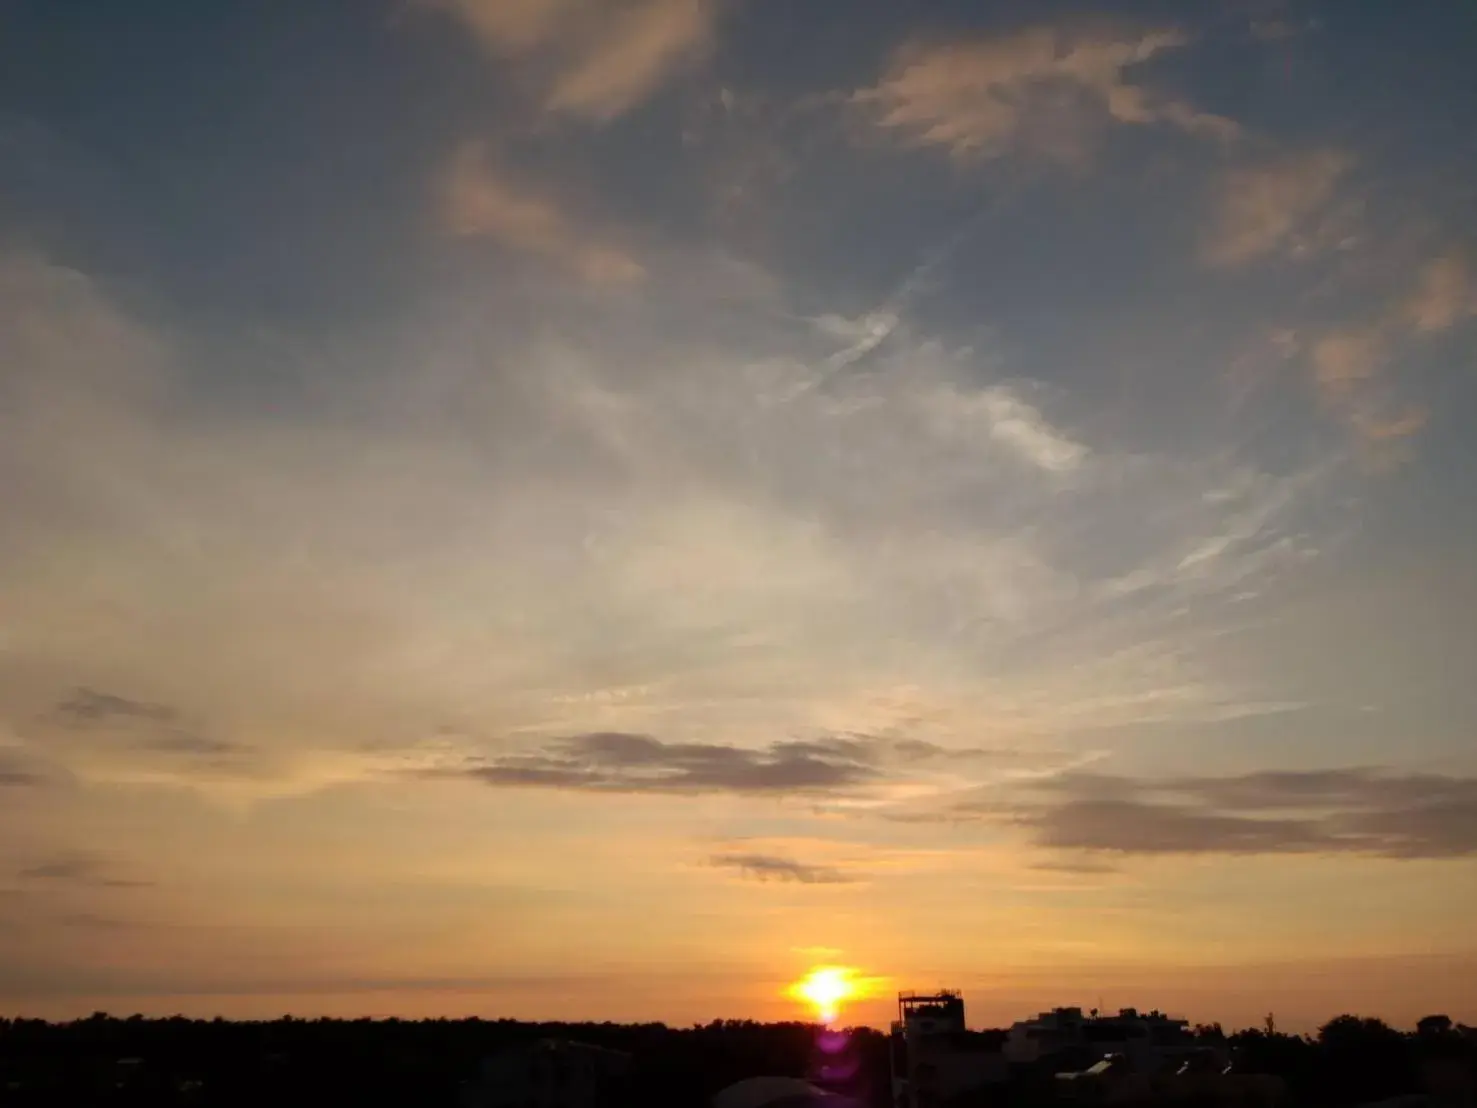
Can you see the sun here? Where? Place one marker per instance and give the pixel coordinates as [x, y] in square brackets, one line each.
[826, 988]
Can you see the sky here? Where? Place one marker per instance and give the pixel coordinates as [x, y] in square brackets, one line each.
[591, 508]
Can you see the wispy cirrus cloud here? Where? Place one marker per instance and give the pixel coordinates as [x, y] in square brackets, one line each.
[1012, 421]
[1045, 91]
[848, 550]
[592, 60]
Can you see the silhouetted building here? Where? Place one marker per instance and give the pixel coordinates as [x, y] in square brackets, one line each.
[1147, 1041]
[1112, 1079]
[1202, 1078]
[935, 1057]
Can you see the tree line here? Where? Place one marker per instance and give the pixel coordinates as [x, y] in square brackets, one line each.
[1350, 1060]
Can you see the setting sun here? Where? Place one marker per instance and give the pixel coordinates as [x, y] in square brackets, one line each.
[826, 988]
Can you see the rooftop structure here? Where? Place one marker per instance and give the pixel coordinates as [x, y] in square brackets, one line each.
[929, 1013]
[773, 1092]
[1147, 1040]
[934, 1055]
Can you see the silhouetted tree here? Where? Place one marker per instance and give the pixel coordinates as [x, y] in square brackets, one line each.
[1364, 1059]
[1433, 1025]
[371, 1063]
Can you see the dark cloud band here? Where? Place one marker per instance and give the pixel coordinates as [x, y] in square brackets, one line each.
[1356, 810]
[769, 867]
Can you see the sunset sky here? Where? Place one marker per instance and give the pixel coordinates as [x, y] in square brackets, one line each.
[593, 508]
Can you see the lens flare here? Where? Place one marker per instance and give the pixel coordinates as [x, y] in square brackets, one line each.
[826, 988]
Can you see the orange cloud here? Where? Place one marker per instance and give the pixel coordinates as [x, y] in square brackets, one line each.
[476, 201]
[1345, 360]
[1380, 429]
[1350, 365]
[513, 26]
[1446, 295]
[1275, 208]
[595, 59]
[639, 48]
[1350, 368]
[1044, 90]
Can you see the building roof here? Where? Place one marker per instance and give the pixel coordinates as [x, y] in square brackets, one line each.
[756, 1092]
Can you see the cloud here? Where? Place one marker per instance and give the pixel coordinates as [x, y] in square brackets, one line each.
[142, 725]
[90, 706]
[1010, 420]
[514, 26]
[616, 526]
[903, 780]
[1344, 360]
[623, 763]
[861, 336]
[498, 542]
[17, 772]
[1132, 827]
[1446, 295]
[1357, 810]
[642, 45]
[592, 60]
[80, 868]
[1351, 364]
[1000, 412]
[917, 750]
[1276, 208]
[855, 766]
[1044, 91]
[185, 742]
[1087, 867]
[767, 867]
[475, 200]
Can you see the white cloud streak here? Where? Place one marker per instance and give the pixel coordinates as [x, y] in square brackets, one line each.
[617, 531]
